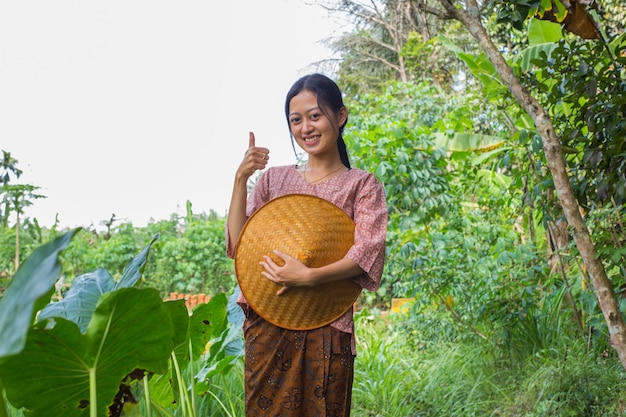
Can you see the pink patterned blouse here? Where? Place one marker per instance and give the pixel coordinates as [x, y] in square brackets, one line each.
[359, 194]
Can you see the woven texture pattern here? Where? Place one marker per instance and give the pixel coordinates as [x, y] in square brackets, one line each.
[312, 230]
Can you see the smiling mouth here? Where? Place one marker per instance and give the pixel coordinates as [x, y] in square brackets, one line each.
[311, 139]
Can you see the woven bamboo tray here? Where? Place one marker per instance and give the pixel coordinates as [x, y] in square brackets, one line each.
[312, 230]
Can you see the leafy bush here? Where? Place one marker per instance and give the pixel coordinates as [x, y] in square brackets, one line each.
[196, 261]
[84, 353]
[397, 375]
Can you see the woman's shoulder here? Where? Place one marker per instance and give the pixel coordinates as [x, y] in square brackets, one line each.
[362, 175]
[360, 172]
[280, 171]
[281, 168]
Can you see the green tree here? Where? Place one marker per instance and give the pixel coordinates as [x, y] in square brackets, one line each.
[15, 198]
[513, 176]
[454, 238]
[8, 169]
[189, 254]
[391, 135]
[196, 261]
[391, 41]
[469, 14]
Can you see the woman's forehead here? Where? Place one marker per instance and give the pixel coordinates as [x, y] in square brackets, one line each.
[304, 101]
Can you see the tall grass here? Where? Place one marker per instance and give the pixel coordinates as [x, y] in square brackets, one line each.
[226, 395]
[541, 370]
[383, 379]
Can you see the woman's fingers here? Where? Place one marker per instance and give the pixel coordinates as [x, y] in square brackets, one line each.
[258, 156]
[285, 275]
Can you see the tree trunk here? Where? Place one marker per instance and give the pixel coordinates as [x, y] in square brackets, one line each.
[17, 242]
[470, 18]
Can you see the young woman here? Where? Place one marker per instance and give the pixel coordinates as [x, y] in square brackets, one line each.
[310, 372]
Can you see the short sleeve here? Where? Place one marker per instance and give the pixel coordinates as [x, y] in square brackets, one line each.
[370, 218]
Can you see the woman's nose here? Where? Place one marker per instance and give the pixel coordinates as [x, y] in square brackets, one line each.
[307, 126]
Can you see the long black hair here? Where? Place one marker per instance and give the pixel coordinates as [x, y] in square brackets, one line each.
[329, 97]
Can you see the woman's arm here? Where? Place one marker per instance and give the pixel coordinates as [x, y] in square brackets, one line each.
[254, 159]
[295, 274]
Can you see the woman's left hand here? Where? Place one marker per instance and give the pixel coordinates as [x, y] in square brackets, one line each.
[292, 274]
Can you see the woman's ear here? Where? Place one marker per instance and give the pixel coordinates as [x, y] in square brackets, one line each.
[343, 116]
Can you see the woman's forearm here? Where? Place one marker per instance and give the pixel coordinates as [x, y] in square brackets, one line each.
[237, 210]
[342, 269]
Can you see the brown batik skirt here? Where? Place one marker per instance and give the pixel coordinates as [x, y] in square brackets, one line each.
[296, 373]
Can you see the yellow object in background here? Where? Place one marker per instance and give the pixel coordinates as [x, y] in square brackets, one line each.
[401, 305]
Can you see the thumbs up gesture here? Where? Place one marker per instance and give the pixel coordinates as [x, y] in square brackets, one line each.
[254, 159]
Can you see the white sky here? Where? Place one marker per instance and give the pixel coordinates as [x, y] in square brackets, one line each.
[134, 107]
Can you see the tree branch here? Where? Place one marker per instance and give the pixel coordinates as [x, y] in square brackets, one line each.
[421, 5]
[556, 162]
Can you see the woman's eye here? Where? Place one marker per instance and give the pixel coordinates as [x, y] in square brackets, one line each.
[294, 120]
[315, 116]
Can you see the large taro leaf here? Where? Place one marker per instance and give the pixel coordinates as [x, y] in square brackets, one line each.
[219, 358]
[207, 322]
[180, 317]
[62, 372]
[80, 301]
[135, 267]
[31, 289]
[162, 386]
[235, 345]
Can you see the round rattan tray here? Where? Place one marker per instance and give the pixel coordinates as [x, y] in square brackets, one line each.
[312, 230]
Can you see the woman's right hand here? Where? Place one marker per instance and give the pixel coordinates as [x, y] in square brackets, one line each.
[254, 159]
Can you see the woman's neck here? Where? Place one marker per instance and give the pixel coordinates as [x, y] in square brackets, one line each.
[319, 171]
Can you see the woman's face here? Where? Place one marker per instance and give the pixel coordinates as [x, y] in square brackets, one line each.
[314, 132]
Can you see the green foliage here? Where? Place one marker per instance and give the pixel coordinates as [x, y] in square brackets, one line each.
[392, 135]
[452, 230]
[29, 291]
[79, 303]
[190, 257]
[195, 262]
[393, 41]
[210, 351]
[384, 380]
[581, 84]
[117, 341]
[426, 58]
[7, 248]
[100, 336]
[8, 168]
[114, 252]
[523, 164]
[607, 225]
[470, 202]
[472, 269]
[225, 397]
[588, 107]
[16, 197]
[396, 374]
